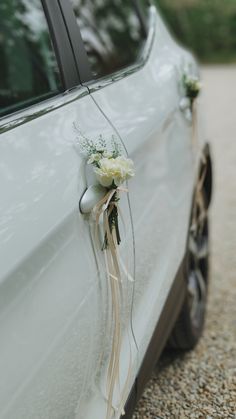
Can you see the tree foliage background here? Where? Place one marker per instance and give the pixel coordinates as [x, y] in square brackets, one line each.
[208, 27]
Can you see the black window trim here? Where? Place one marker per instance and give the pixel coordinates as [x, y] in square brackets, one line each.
[76, 42]
[61, 43]
[140, 14]
[80, 54]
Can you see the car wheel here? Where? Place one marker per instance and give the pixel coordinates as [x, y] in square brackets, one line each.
[189, 325]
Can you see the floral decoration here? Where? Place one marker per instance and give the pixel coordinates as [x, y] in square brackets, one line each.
[192, 86]
[112, 169]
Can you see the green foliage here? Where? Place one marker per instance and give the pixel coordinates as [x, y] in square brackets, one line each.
[208, 27]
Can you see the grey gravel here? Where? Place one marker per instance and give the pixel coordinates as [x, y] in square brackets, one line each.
[202, 383]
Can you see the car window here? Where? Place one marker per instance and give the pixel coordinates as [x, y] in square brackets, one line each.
[28, 69]
[111, 32]
[144, 6]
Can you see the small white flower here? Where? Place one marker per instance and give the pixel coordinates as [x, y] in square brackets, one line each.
[198, 85]
[107, 155]
[193, 83]
[94, 158]
[116, 170]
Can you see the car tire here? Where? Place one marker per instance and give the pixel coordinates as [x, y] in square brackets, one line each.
[190, 323]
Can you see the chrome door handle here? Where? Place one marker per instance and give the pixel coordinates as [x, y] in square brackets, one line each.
[184, 104]
[92, 195]
[185, 107]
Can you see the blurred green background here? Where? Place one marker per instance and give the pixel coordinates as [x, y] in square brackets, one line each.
[208, 27]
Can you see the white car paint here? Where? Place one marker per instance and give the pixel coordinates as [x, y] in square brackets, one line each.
[158, 137]
[52, 301]
[53, 294]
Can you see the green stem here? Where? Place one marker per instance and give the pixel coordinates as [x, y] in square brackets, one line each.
[113, 223]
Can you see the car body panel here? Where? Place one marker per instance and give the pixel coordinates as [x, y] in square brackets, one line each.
[144, 109]
[52, 303]
[54, 296]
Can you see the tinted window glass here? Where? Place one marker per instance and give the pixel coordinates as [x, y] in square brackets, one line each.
[28, 69]
[111, 32]
[144, 5]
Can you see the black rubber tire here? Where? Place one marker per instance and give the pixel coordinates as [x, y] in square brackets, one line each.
[185, 335]
[186, 332]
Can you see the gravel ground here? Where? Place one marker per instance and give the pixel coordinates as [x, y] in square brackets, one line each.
[202, 383]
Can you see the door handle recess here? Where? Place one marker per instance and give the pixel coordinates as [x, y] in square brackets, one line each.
[184, 104]
[92, 195]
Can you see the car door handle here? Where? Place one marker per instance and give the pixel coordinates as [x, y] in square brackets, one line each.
[92, 195]
[184, 104]
[185, 107]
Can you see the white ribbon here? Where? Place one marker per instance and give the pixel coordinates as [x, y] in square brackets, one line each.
[113, 264]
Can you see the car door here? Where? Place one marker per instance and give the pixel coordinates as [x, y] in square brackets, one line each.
[54, 303]
[136, 74]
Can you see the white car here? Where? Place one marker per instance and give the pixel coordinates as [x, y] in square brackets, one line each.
[110, 70]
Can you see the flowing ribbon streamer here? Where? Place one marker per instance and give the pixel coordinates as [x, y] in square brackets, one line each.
[200, 196]
[194, 123]
[114, 265]
[199, 187]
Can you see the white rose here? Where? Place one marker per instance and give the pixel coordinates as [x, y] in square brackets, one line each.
[198, 85]
[116, 170]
